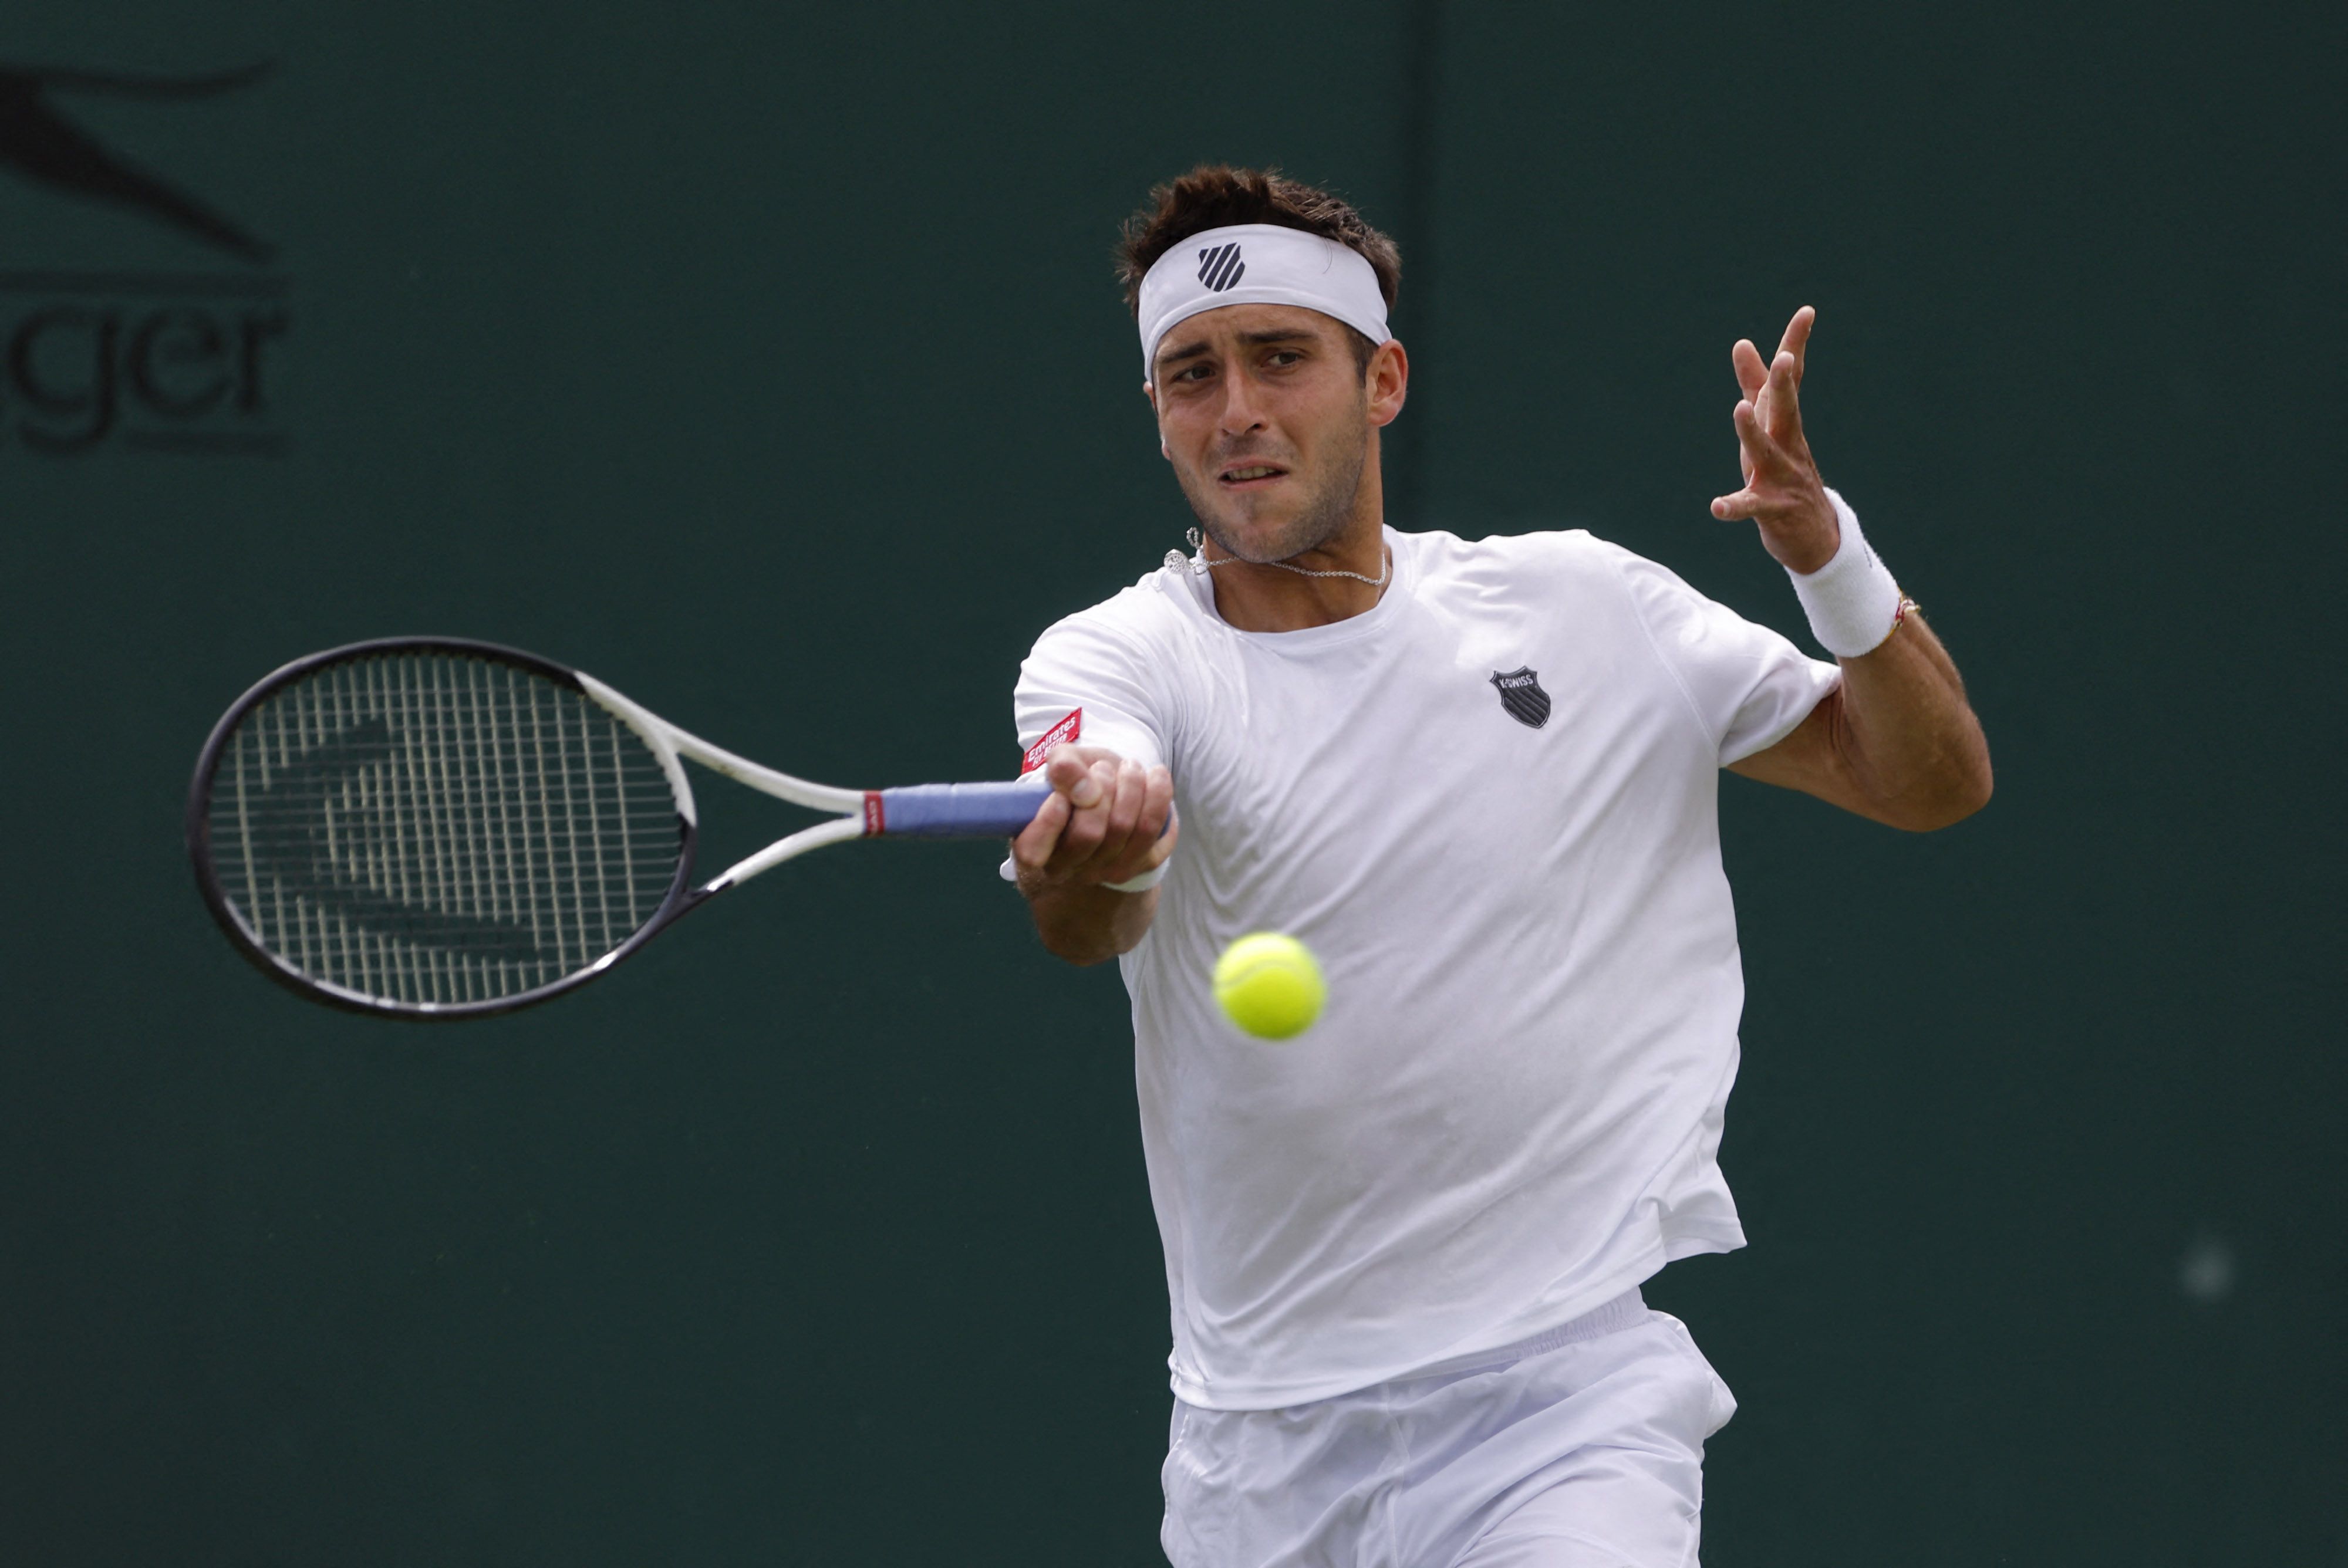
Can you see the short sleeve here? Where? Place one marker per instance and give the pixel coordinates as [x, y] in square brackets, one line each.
[1083, 677]
[1749, 687]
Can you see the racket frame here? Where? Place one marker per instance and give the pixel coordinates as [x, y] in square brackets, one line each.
[858, 817]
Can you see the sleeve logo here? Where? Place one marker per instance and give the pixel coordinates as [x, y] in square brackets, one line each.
[1059, 734]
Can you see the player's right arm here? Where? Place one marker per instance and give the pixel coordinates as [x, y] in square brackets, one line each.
[1107, 820]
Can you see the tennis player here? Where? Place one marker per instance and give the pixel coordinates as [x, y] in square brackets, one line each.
[1479, 778]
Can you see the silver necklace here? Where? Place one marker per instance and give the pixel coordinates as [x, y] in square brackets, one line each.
[1198, 565]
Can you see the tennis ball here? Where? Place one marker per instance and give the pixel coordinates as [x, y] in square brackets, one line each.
[1269, 985]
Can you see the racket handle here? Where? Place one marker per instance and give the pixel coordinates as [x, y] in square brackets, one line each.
[955, 810]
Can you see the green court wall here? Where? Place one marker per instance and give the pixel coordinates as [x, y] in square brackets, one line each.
[766, 361]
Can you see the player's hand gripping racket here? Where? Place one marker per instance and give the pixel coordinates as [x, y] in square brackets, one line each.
[428, 827]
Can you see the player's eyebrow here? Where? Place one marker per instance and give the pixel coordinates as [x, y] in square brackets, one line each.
[1254, 339]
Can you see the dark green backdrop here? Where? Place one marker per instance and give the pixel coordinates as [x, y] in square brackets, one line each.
[764, 361]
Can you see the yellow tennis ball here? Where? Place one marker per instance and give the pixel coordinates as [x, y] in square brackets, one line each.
[1270, 986]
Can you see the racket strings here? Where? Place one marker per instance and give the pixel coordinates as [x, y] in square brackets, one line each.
[430, 827]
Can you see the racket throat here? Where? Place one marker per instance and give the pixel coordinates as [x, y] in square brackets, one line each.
[838, 830]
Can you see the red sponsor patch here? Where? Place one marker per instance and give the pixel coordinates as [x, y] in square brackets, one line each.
[876, 821]
[1060, 734]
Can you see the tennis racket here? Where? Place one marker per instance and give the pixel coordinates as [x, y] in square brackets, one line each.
[433, 828]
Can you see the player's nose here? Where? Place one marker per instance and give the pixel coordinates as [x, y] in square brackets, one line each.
[1241, 413]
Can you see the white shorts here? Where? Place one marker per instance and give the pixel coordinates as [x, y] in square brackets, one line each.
[1582, 1447]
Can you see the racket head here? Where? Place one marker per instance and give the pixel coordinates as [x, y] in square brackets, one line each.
[432, 827]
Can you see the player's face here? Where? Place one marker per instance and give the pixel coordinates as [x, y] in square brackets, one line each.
[1267, 421]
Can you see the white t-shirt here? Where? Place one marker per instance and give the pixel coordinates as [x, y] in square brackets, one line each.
[1508, 1113]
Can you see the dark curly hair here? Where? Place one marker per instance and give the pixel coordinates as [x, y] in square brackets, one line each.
[1215, 195]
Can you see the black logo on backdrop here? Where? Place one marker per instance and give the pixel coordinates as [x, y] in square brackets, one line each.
[1220, 267]
[172, 362]
[1521, 695]
[40, 143]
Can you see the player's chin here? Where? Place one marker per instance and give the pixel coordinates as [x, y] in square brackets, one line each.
[1260, 510]
[1262, 529]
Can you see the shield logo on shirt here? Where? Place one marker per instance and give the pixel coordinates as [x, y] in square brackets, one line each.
[1521, 695]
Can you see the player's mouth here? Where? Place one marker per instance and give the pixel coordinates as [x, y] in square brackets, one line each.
[1250, 475]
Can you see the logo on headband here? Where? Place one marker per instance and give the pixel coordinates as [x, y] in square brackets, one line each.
[1220, 267]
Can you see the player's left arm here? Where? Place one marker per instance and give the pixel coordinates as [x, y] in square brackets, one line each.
[1897, 742]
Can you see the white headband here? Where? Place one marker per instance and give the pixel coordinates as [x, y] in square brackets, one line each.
[1258, 264]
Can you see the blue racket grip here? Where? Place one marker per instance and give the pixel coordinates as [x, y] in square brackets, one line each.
[955, 810]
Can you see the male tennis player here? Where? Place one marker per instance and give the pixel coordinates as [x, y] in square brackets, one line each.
[1479, 778]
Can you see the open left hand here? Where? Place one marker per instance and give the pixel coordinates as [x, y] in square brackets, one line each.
[1783, 493]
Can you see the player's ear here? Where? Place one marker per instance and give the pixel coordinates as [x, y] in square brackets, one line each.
[1388, 381]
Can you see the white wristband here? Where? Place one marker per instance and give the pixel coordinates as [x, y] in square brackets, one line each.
[1009, 872]
[1852, 601]
[1143, 883]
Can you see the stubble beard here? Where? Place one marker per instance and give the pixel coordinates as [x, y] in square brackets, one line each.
[1326, 511]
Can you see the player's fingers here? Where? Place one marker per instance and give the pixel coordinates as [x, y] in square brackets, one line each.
[1797, 337]
[1163, 850]
[1124, 807]
[1744, 448]
[1777, 458]
[1785, 396]
[1751, 374]
[1157, 820]
[1731, 508]
[1032, 850]
[1082, 836]
[1756, 455]
[1763, 456]
[1070, 772]
[1767, 507]
[1157, 806]
[1153, 801]
[1148, 841]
